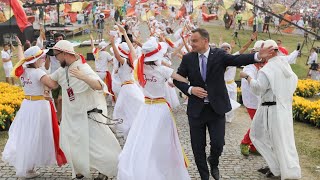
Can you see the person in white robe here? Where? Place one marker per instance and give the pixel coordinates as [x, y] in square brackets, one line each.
[85, 137]
[272, 127]
[230, 75]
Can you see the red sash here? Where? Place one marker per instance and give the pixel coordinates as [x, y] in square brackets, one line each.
[108, 82]
[60, 157]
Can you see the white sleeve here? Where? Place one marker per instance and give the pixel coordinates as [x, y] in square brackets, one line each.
[109, 57]
[4, 55]
[292, 57]
[250, 71]
[39, 73]
[259, 85]
[39, 42]
[166, 71]
[55, 75]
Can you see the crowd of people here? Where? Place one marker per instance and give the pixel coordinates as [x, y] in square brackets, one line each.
[137, 78]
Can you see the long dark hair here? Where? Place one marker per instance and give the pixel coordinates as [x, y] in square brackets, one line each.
[150, 63]
[32, 65]
[128, 62]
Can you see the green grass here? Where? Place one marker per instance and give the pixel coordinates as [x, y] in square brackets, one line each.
[308, 146]
[3, 139]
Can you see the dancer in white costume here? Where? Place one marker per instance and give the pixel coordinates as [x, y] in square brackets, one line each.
[152, 149]
[86, 142]
[130, 97]
[31, 142]
[272, 126]
[170, 90]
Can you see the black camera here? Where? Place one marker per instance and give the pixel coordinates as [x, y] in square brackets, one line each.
[314, 66]
[49, 44]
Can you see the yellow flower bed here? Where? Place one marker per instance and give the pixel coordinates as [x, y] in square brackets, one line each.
[10, 101]
[307, 88]
[306, 111]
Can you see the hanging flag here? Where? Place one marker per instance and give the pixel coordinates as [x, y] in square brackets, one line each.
[76, 6]
[174, 3]
[132, 3]
[131, 11]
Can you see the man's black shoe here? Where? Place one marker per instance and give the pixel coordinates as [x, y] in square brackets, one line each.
[264, 170]
[215, 172]
[79, 176]
[101, 177]
[269, 174]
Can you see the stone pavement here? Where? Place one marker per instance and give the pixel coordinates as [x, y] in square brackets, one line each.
[232, 164]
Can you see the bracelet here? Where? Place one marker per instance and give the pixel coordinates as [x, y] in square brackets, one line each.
[46, 91]
[252, 39]
[246, 77]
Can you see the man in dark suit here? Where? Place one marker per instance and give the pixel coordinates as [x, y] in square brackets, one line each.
[208, 97]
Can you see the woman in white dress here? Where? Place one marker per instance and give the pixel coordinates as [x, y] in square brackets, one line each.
[31, 139]
[130, 97]
[153, 150]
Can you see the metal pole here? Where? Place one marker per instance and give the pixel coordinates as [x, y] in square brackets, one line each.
[281, 18]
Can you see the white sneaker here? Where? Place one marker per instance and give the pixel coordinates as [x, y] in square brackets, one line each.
[32, 174]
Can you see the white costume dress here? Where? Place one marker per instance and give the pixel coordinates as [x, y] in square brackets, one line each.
[86, 143]
[129, 100]
[30, 142]
[153, 150]
[7, 66]
[229, 76]
[272, 127]
[101, 62]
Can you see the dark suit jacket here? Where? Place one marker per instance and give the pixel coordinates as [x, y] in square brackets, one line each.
[217, 62]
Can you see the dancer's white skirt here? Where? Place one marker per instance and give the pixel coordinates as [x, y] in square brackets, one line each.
[129, 100]
[30, 142]
[152, 150]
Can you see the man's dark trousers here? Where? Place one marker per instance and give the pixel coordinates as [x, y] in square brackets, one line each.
[216, 127]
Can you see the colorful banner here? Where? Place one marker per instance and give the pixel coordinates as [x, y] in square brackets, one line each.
[118, 3]
[197, 3]
[76, 6]
[174, 3]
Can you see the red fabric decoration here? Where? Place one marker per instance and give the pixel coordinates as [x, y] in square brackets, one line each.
[108, 81]
[21, 17]
[208, 17]
[128, 54]
[60, 157]
[170, 43]
[83, 60]
[283, 50]
[19, 71]
[140, 67]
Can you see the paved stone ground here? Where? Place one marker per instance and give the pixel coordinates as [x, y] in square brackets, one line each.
[232, 164]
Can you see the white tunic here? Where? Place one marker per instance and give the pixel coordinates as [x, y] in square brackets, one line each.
[272, 127]
[250, 100]
[86, 143]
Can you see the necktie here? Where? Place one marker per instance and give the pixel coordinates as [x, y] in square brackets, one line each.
[203, 66]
